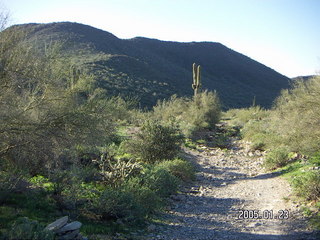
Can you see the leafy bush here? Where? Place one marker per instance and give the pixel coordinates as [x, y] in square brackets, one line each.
[179, 168]
[242, 116]
[296, 116]
[148, 200]
[162, 182]
[204, 111]
[308, 185]
[117, 203]
[191, 115]
[155, 142]
[8, 182]
[315, 159]
[277, 157]
[24, 228]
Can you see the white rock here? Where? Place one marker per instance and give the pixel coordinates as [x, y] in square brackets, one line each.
[57, 224]
[70, 227]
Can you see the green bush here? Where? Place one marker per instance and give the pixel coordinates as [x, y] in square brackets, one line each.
[179, 168]
[204, 111]
[155, 142]
[147, 199]
[296, 116]
[242, 116]
[117, 203]
[8, 182]
[315, 159]
[277, 157]
[191, 115]
[308, 185]
[24, 228]
[161, 181]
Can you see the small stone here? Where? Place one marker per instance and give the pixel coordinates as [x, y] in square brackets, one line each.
[57, 224]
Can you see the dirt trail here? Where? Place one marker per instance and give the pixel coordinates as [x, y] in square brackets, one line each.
[229, 181]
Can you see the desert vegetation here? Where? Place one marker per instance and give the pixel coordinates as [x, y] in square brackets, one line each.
[69, 147]
[289, 132]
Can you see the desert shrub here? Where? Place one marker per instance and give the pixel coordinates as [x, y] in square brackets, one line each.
[179, 168]
[191, 115]
[117, 203]
[308, 185]
[69, 188]
[24, 228]
[259, 133]
[204, 111]
[155, 142]
[277, 157]
[161, 181]
[147, 199]
[115, 171]
[8, 182]
[242, 116]
[296, 116]
[172, 110]
[315, 159]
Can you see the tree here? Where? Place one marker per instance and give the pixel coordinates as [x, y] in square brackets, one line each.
[41, 117]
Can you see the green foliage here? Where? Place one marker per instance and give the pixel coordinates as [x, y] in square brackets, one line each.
[161, 181]
[24, 228]
[8, 182]
[308, 185]
[117, 204]
[277, 157]
[315, 159]
[147, 199]
[155, 142]
[41, 116]
[179, 168]
[296, 116]
[240, 117]
[137, 197]
[293, 122]
[203, 111]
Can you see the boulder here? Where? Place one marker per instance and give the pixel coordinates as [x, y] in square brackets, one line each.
[56, 225]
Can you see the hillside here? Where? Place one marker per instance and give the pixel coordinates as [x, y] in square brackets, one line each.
[151, 69]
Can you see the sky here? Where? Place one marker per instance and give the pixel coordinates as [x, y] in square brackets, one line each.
[282, 34]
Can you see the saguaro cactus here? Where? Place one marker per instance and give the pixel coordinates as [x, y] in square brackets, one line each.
[75, 72]
[196, 85]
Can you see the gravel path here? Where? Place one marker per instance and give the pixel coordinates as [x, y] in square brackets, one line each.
[230, 183]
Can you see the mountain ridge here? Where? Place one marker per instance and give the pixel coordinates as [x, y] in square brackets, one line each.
[154, 69]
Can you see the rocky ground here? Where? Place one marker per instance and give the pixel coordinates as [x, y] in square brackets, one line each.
[231, 184]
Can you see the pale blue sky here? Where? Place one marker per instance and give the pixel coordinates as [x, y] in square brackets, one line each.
[282, 34]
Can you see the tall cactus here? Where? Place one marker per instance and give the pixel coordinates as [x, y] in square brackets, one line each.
[75, 72]
[196, 85]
